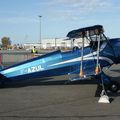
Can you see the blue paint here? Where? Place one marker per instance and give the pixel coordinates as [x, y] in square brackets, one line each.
[62, 63]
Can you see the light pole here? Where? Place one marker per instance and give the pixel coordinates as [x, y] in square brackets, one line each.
[40, 31]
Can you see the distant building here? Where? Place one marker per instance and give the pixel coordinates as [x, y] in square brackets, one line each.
[55, 44]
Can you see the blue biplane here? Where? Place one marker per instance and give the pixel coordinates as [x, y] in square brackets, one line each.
[79, 63]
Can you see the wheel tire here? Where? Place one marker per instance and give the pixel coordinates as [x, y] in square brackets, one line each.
[114, 86]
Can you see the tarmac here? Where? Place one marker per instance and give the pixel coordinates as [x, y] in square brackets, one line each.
[56, 100]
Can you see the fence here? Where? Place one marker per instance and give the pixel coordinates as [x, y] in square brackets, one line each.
[8, 58]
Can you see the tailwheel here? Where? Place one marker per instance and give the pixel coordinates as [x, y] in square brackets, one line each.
[114, 86]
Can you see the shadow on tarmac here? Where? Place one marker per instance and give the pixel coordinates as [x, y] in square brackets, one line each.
[45, 82]
[52, 81]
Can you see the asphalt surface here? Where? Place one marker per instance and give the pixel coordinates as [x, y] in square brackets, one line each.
[54, 100]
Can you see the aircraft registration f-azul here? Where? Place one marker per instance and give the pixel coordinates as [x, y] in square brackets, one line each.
[79, 63]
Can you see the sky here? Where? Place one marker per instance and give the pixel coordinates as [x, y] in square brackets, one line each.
[19, 19]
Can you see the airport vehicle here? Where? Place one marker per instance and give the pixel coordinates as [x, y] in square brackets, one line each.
[79, 64]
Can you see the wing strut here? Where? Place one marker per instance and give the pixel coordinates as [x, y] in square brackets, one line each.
[97, 69]
[73, 76]
[82, 54]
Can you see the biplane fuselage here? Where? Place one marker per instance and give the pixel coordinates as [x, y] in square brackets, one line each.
[62, 63]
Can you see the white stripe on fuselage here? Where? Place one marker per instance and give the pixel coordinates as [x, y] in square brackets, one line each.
[86, 57]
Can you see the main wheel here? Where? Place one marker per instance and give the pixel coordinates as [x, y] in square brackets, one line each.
[114, 86]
